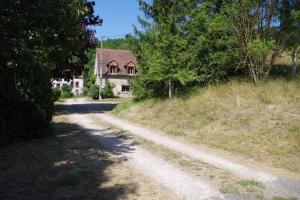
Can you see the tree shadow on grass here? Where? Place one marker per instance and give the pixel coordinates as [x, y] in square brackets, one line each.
[69, 165]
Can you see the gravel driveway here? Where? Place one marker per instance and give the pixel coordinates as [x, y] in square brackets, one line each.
[167, 175]
[172, 177]
[285, 185]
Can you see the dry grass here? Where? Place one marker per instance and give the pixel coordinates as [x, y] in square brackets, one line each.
[70, 165]
[227, 183]
[257, 121]
[284, 59]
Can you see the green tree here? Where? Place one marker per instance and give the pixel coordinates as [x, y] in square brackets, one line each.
[261, 29]
[117, 43]
[88, 72]
[43, 39]
[66, 91]
[161, 49]
[292, 40]
[94, 92]
[107, 91]
[210, 42]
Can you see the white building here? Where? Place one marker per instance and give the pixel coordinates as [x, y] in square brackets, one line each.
[76, 84]
[118, 67]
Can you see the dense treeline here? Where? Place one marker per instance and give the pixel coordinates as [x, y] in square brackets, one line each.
[40, 40]
[116, 43]
[196, 42]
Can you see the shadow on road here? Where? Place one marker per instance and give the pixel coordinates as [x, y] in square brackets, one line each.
[69, 165]
[111, 143]
[86, 108]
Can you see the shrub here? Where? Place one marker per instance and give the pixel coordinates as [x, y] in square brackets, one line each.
[143, 88]
[107, 91]
[94, 92]
[55, 94]
[85, 91]
[25, 113]
[66, 91]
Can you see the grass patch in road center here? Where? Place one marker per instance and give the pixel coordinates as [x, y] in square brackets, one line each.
[251, 183]
[283, 198]
[229, 189]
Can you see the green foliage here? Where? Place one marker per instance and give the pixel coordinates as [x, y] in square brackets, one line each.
[228, 189]
[88, 76]
[143, 88]
[259, 51]
[260, 28]
[210, 44]
[123, 106]
[94, 92]
[251, 183]
[47, 39]
[66, 91]
[259, 48]
[119, 43]
[161, 49]
[85, 91]
[107, 91]
[284, 198]
[185, 44]
[188, 43]
[55, 94]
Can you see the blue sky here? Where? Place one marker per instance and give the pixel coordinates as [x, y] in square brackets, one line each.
[118, 17]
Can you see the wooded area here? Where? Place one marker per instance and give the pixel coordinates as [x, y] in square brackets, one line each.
[197, 42]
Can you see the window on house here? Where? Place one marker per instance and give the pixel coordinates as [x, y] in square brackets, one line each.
[113, 70]
[125, 88]
[58, 85]
[130, 70]
[77, 84]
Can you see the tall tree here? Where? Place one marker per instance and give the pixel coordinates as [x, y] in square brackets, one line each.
[43, 39]
[294, 41]
[261, 28]
[210, 42]
[163, 49]
[256, 33]
[290, 23]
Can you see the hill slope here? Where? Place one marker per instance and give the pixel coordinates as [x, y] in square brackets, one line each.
[257, 121]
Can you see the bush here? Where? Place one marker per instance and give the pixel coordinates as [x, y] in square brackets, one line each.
[94, 92]
[142, 88]
[66, 91]
[55, 94]
[25, 112]
[107, 91]
[85, 91]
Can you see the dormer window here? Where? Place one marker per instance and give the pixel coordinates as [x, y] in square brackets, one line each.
[113, 68]
[130, 70]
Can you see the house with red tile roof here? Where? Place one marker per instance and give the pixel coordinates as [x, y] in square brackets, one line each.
[117, 67]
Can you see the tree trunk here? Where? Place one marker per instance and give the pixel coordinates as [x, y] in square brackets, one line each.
[294, 63]
[170, 88]
[253, 72]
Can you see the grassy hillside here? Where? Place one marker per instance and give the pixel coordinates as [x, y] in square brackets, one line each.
[260, 121]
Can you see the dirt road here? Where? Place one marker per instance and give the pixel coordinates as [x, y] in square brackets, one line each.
[176, 179]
